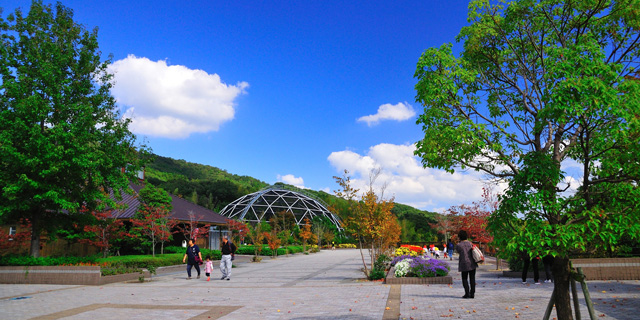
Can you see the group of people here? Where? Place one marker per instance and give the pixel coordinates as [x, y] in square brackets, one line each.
[193, 258]
[435, 251]
[547, 262]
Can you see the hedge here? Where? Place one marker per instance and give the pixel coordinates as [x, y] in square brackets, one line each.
[14, 260]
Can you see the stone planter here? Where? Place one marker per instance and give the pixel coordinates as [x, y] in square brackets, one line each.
[71, 275]
[391, 279]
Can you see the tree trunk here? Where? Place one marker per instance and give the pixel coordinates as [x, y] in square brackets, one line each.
[35, 234]
[562, 276]
[366, 271]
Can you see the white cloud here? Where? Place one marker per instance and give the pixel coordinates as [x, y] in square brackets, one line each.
[292, 180]
[398, 112]
[406, 179]
[172, 101]
[573, 178]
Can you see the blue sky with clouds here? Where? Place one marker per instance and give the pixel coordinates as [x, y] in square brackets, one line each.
[292, 91]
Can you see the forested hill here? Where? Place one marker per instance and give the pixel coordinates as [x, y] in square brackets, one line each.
[214, 188]
[205, 185]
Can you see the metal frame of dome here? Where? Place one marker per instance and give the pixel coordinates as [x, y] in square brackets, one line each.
[262, 205]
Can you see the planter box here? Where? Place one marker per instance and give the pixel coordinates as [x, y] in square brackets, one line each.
[391, 279]
[50, 275]
[67, 275]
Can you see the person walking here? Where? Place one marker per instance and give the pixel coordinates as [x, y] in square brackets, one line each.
[193, 252]
[526, 259]
[450, 248]
[466, 265]
[208, 267]
[228, 250]
[547, 261]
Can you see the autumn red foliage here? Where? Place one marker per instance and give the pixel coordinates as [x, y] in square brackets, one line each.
[152, 223]
[239, 230]
[105, 230]
[191, 229]
[17, 242]
[473, 218]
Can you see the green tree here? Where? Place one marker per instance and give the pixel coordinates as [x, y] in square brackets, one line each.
[155, 197]
[63, 143]
[539, 86]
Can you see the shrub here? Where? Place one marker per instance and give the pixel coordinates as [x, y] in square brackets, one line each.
[14, 260]
[249, 249]
[347, 246]
[174, 249]
[376, 274]
[381, 262]
[215, 254]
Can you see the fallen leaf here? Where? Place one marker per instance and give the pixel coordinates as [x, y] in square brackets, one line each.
[387, 308]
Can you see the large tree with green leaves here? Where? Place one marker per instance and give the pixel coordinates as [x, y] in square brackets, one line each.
[63, 144]
[540, 86]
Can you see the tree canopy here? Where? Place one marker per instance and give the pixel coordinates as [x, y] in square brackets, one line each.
[63, 144]
[541, 87]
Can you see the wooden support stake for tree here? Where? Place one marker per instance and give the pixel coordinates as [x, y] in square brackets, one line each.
[552, 301]
[587, 297]
[576, 303]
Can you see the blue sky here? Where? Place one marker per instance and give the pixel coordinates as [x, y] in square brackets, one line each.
[292, 91]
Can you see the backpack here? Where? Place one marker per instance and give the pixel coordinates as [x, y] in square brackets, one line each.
[478, 257]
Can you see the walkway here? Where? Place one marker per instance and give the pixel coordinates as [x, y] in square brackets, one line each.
[325, 285]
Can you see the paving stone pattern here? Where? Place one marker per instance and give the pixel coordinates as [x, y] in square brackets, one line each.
[325, 285]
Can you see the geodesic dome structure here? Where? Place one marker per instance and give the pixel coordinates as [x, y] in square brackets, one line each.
[264, 204]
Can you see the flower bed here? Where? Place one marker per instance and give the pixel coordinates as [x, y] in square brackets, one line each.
[408, 269]
[418, 266]
[408, 250]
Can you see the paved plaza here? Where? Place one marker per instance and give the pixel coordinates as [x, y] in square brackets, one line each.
[324, 285]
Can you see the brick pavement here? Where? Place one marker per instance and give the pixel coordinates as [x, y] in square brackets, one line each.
[325, 285]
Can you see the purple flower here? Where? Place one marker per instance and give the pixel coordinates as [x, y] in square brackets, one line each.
[424, 267]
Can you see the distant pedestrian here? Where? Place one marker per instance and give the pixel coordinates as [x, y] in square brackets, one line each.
[527, 260]
[450, 248]
[547, 261]
[208, 268]
[466, 265]
[228, 251]
[193, 252]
